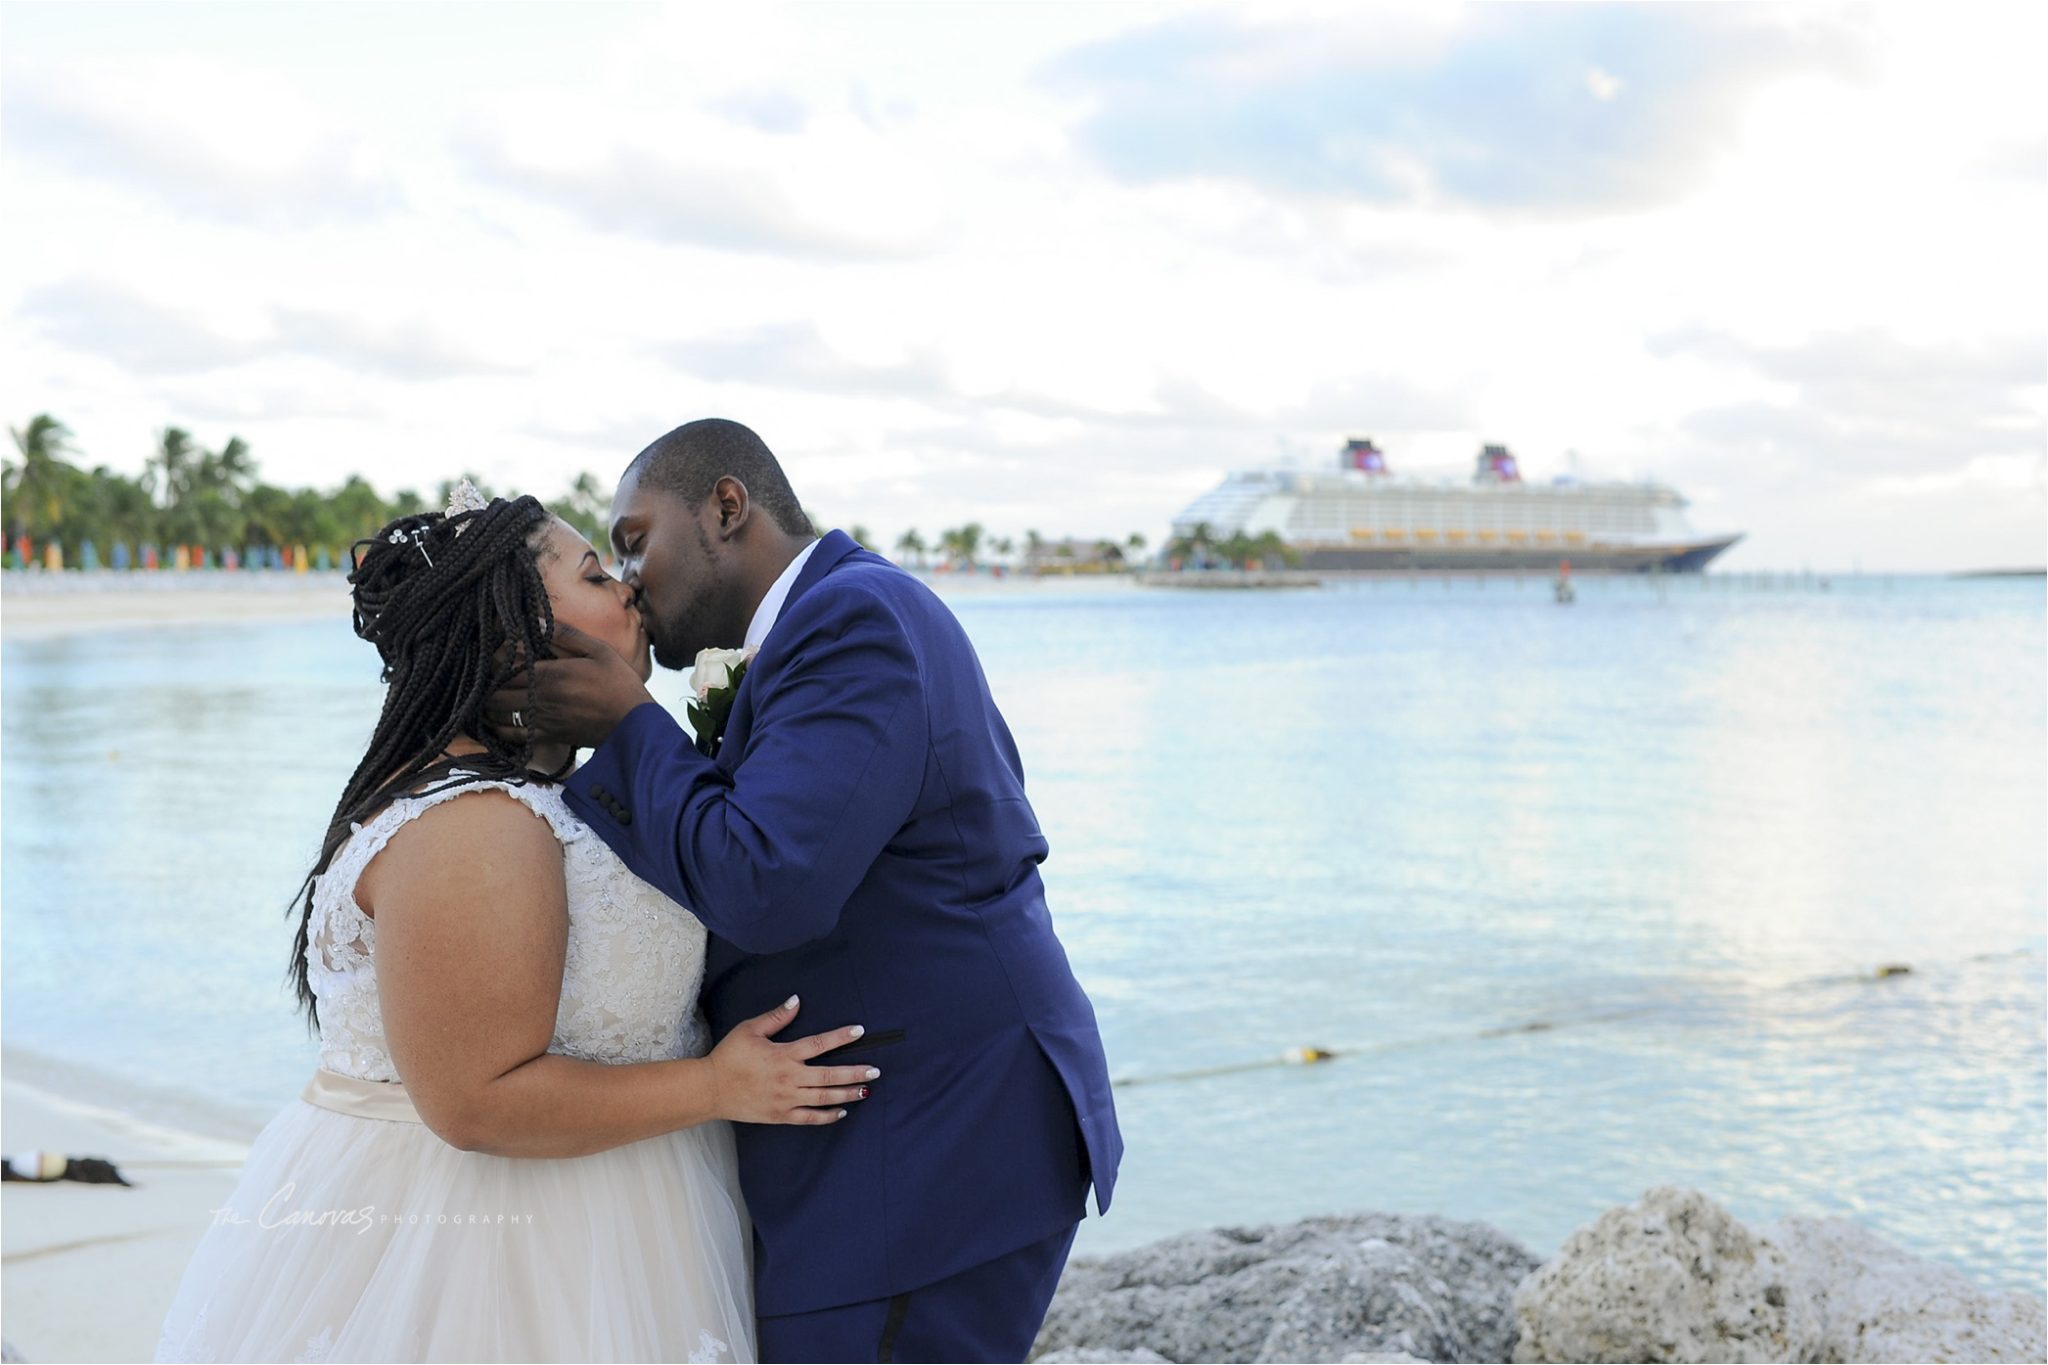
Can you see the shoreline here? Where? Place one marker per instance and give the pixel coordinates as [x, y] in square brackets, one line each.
[91, 1269]
[38, 606]
[46, 607]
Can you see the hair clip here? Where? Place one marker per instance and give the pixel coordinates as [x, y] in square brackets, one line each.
[419, 542]
[465, 497]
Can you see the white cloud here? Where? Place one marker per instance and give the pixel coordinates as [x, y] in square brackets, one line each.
[1990, 474]
[236, 147]
[530, 243]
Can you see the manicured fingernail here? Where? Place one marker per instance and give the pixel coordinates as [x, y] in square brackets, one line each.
[842, 1113]
[856, 1031]
[863, 1092]
[790, 1003]
[873, 1074]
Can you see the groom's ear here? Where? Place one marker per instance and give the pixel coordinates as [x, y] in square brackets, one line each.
[734, 507]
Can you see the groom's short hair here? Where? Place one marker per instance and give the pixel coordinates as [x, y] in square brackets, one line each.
[690, 461]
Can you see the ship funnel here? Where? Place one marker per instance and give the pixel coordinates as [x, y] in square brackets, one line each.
[1361, 454]
[1496, 465]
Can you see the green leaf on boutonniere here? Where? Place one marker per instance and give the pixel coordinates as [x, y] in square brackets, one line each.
[716, 681]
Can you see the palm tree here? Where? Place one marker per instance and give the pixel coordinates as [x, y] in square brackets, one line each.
[911, 546]
[1270, 546]
[1198, 547]
[268, 516]
[36, 486]
[204, 516]
[963, 543]
[121, 508]
[358, 511]
[587, 508]
[311, 520]
[226, 469]
[172, 467]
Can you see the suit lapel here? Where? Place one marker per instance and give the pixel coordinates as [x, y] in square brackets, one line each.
[834, 547]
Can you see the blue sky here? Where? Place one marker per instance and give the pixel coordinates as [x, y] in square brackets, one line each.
[1057, 267]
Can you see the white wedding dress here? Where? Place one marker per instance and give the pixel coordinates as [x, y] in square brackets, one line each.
[352, 1237]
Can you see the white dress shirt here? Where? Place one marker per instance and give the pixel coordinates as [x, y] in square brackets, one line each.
[778, 593]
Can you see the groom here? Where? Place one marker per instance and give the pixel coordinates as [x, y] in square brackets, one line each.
[860, 838]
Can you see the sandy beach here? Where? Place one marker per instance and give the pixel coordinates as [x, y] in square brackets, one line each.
[90, 1269]
[36, 606]
[42, 606]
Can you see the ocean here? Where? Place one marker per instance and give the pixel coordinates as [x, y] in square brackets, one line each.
[1582, 899]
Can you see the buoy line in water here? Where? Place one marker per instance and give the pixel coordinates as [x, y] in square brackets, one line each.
[1317, 1055]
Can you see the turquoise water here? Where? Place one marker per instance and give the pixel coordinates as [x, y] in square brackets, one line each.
[1586, 899]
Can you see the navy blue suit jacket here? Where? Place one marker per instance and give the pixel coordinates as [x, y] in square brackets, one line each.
[862, 839]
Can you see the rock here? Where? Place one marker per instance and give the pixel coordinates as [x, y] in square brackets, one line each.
[1677, 1278]
[1673, 1278]
[1371, 1287]
[1879, 1302]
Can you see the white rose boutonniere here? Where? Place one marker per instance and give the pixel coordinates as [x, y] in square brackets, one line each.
[716, 680]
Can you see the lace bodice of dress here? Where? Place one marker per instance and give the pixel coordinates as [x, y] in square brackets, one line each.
[629, 984]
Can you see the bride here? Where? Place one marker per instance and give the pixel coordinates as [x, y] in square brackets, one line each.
[516, 1146]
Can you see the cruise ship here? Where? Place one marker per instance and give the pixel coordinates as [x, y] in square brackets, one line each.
[1362, 516]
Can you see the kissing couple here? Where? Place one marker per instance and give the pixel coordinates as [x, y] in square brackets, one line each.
[564, 1109]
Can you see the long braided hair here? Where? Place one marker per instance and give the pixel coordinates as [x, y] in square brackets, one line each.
[456, 608]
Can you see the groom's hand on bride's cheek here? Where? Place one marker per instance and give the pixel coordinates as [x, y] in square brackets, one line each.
[579, 697]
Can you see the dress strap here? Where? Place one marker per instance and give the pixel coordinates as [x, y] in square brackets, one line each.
[364, 1099]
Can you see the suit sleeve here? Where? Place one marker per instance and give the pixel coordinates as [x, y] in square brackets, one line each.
[768, 855]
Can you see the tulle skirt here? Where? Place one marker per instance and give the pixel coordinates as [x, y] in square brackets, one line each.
[360, 1239]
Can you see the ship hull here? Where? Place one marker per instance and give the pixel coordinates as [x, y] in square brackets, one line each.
[1686, 557]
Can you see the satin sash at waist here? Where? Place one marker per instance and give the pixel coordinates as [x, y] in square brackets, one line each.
[364, 1099]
